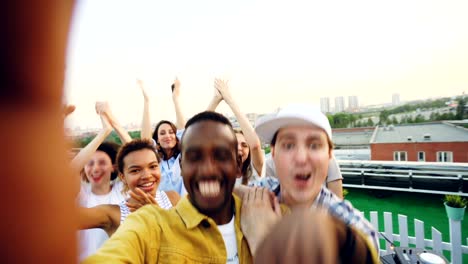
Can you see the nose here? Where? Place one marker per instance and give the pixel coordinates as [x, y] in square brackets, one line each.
[207, 168]
[145, 173]
[301, 155]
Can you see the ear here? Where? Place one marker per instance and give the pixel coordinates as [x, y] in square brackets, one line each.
[272, 149]
[122, 178]
[114, 167]
[330, 153]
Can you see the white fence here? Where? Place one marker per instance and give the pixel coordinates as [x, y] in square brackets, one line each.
[419, 241]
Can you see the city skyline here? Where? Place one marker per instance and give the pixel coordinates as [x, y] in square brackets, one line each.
[273, 53]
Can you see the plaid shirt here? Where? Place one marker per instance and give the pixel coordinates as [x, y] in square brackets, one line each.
[339, 208]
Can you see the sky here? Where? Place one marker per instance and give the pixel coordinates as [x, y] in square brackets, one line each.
[272, 52]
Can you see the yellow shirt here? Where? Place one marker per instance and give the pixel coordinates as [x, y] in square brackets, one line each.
[179, 235]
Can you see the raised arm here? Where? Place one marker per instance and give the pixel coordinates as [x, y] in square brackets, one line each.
[104, 109]
[180, 119]
[80, 160]
[249, 132]
[215, 100]
[146, 122]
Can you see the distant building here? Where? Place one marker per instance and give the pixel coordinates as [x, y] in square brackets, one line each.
[339, 104]
[395, 99]
[353, 104]
[325, 105]
[432, 142]
[352, 143]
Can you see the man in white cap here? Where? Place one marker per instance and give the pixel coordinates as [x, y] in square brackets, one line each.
[301, 145]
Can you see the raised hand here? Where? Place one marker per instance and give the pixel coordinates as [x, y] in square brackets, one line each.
[67, 110]
[143, 90]
[176, 87]
[223, 88]
[102, 107]
[260, 212]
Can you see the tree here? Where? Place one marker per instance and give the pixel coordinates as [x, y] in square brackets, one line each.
[419, 119]
[384, 116]
[394, 120]
[370, 123]
[461, 109]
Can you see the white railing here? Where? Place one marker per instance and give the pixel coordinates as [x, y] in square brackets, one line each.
[419, 241]
[422, 177]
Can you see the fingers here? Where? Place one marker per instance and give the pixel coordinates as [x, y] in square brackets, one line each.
[259, 194]
[132, 206]
[137, 195]
[277, 207]
[152, 200]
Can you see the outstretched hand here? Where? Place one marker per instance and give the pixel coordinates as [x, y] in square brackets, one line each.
[176, 88]
[102, 107]
[142, 88]
[260, 212]
[223, 88]
[139, 198]
[67, 110]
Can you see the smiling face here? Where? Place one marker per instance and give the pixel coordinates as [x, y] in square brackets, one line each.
[209, 166]
[242, 147]
[141, 169]
[301, 155]
[166, 136]
[98, 170]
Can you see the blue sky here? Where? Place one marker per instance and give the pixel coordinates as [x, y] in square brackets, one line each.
[273, 53]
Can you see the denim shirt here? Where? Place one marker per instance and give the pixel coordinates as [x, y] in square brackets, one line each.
[171, 180]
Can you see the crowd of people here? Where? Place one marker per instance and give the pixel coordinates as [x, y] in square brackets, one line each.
[213, 195]
[192, 192]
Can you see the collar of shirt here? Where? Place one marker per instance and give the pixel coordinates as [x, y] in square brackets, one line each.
[192, 217]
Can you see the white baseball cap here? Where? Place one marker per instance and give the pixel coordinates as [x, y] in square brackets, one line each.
[291, 115]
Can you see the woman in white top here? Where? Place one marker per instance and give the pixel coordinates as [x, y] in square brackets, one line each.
[248, 144]
[138, 166]
[95, 166]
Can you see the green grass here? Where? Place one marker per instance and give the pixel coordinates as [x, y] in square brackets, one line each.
[428, 208]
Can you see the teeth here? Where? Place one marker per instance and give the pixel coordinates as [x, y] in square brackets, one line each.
[209, 188]
[147, 184]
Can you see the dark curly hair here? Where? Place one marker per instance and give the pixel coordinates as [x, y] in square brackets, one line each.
[134, 145]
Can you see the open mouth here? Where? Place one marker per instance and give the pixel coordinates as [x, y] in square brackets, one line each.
[302, 176]
[209, 188]
[97, 178]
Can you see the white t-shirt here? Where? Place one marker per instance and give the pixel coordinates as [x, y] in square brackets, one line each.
[228, 232]
[92, 239]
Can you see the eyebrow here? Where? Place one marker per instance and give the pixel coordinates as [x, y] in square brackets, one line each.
[290, 136]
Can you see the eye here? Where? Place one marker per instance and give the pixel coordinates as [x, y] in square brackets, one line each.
[222, 154]
[154, 166]
[315, 145]
[193, 156]
[133, 171]
[288, 145]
